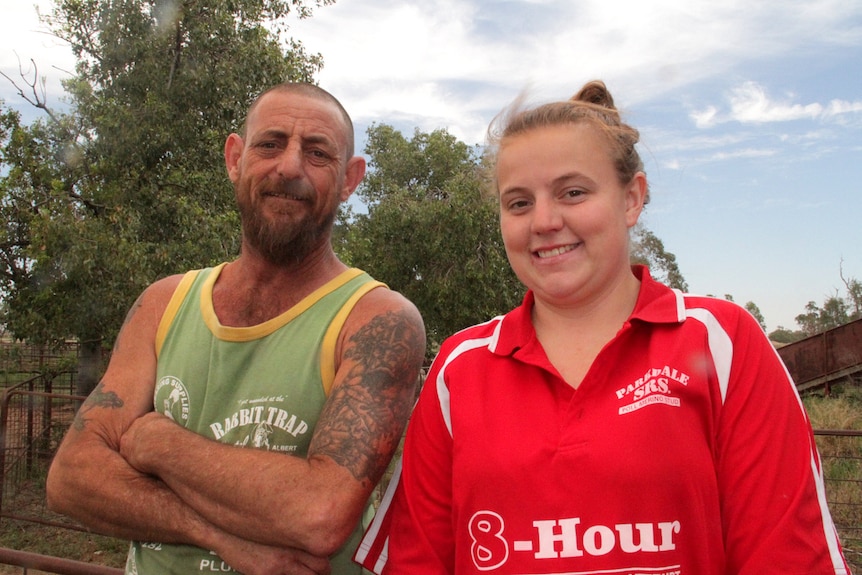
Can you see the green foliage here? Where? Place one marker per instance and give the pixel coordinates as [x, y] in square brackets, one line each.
[431, 234]
[649, 250]
[835, 311]
[756, 313]
[130, 184]
[784, 335]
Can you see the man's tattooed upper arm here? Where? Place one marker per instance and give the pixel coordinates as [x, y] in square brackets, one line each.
[365, 416]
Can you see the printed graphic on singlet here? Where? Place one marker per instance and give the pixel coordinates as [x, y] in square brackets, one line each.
[181, 558]
[171, 398]
[491, 546]
[263, 423]
[655, 387]
[214, 564]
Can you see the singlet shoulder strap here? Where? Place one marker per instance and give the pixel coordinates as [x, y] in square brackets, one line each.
[330, 339]
[173, 305]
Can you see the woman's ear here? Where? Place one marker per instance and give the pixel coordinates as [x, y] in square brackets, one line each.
[636, 194]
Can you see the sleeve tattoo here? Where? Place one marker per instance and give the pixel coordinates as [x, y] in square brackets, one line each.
[366, 414]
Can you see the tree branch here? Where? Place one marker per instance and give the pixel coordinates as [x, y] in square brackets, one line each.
[39, 96]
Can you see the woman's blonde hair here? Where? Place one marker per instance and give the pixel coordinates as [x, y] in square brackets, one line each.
[592, 104]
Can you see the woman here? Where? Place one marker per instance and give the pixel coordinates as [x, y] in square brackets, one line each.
[609, 424]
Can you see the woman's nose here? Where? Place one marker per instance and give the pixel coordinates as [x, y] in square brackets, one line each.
[546, 216]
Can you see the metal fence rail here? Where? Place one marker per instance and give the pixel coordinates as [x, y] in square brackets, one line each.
[49, 564]
[841, 456]
[33, 420]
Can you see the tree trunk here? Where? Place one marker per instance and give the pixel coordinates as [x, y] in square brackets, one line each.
[89, 366]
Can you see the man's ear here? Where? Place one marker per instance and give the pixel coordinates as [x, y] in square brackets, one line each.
[354, 172]
[232, 154]
[636, 193]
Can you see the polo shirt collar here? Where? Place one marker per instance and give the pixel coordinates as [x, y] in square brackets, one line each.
[656, 304]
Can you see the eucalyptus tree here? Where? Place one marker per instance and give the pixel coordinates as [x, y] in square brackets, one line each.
[127, 183]
[431, 231]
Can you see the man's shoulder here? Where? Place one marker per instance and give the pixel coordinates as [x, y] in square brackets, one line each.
[382, 299]
[161, 290]
[389, 314]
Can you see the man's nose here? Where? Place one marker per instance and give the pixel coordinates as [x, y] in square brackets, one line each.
[290, 162]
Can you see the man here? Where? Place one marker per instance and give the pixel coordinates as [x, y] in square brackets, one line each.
[249, 410]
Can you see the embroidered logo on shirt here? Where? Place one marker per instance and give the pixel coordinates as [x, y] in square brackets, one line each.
[653, 388]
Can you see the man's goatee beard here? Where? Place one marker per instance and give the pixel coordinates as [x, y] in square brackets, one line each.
[287, 245]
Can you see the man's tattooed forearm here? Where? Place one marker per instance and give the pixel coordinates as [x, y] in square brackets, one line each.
[98, 398]
[366, 414]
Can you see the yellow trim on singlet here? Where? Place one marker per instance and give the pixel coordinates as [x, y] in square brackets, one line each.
[240, 334]
[173, 305]
[330, 339]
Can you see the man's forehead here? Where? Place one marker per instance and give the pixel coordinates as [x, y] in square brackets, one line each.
[281, 106]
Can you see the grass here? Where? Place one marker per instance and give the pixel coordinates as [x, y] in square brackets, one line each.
[842, 463]
[29, 501]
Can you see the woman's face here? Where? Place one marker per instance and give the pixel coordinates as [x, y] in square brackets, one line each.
[564, 215]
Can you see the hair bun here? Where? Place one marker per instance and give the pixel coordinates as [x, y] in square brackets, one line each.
[597, 93]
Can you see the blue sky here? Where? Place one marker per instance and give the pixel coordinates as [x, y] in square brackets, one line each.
[750, 112]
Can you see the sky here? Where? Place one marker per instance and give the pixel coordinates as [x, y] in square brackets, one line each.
[750, 112]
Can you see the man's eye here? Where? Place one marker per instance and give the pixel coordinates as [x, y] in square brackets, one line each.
[518, 204]
[318, 157]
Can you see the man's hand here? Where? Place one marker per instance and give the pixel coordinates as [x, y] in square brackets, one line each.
[254, 559]
[147, 434]
[141, 446]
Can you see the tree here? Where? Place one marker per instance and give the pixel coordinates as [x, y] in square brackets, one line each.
[649, 250]
[784, 336]
[431, 233]
[756, 313]
[817, 319]
[835, 311]
[129, 185]
[854, 294]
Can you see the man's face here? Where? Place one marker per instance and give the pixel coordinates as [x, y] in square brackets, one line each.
[290, 173]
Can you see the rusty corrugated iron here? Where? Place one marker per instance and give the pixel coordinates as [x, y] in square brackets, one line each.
[825, 358]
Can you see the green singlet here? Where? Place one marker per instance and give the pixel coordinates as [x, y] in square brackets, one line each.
[260, 387]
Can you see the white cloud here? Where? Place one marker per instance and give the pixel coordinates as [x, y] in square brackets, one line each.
[749, 103]
[839, 107]
[705, 118]
[459, 62]
[743, 153]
